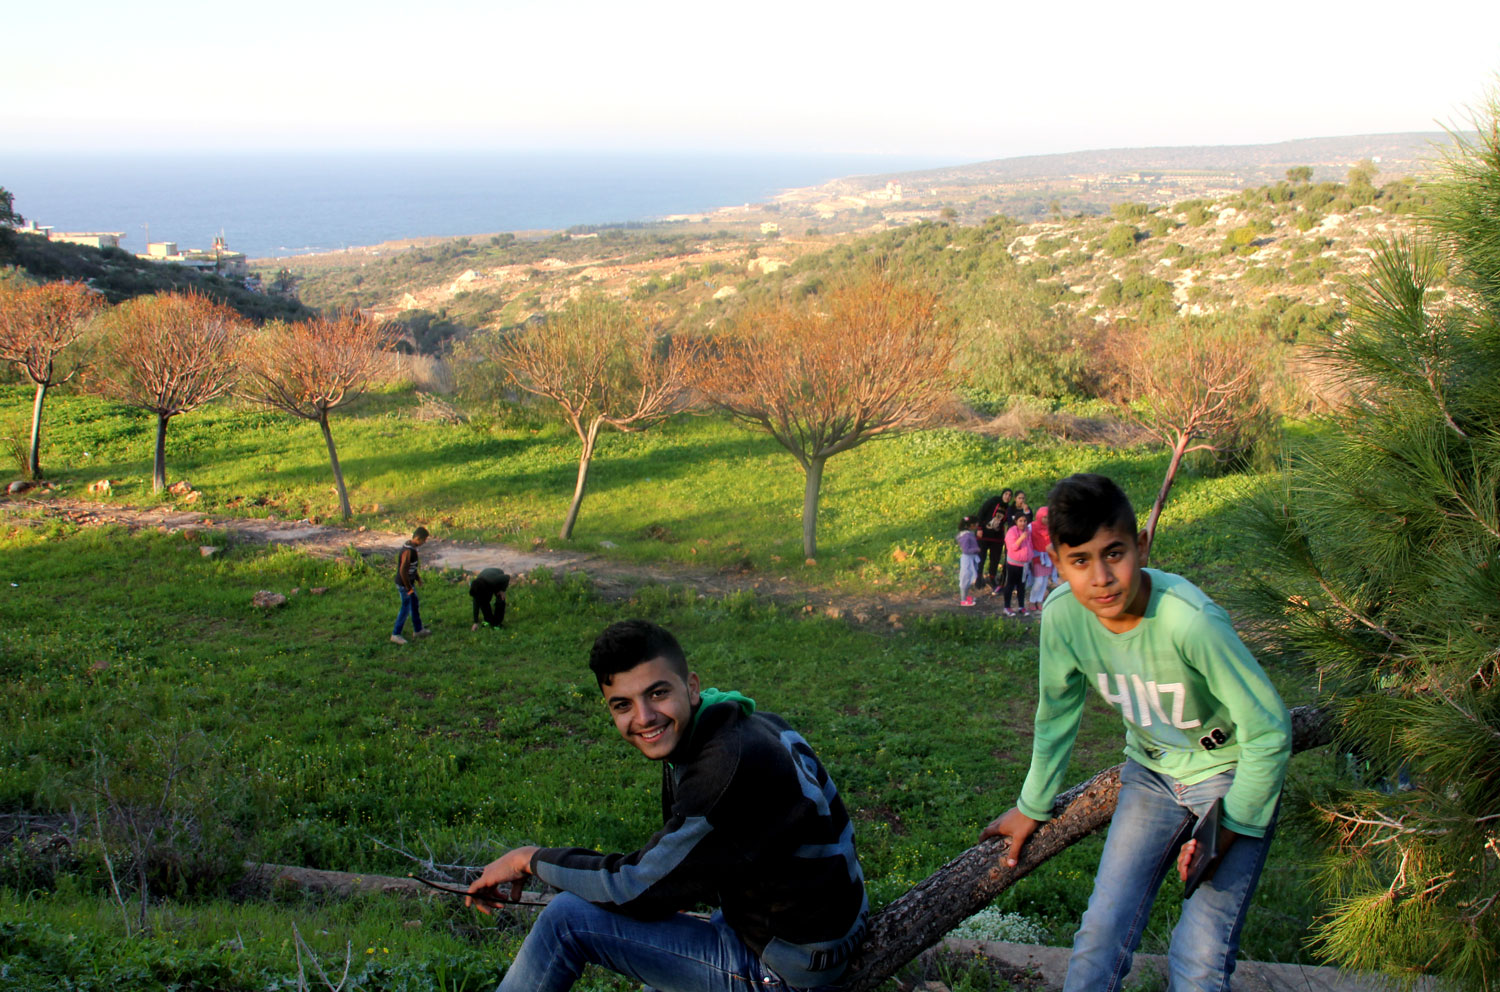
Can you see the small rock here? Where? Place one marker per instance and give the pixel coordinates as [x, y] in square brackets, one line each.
[811, 561]
[894, 618]
[180, 488]
[208, 550]
[102, 487]
[608, 544]
[862, 617]
[18, 487]
[318, 590]
[538, 543]
[266, 599]
[899, 555]
[834, 613]
[808, 608]
[192, 497]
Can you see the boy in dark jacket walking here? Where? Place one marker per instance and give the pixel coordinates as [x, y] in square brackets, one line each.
[752, 824]
[407, 580]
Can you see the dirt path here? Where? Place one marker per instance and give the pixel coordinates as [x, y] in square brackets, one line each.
[613, 579]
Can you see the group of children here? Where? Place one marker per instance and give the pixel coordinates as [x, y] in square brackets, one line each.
[1007, 531]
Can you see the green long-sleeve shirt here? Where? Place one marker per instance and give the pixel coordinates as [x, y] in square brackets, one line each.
[1194, 700]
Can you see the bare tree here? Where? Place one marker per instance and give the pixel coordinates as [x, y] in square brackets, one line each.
[312, 367]
[170, 354]
[1192, 390]
[828, 373]
[603, 365]
[41, 330]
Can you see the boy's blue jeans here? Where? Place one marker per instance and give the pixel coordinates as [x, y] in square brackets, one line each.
[1139, 852]
[678, 954]
[408, 608]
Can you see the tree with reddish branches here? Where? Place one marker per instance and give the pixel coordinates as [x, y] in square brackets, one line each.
[1192, 389]
[170, 354]
[42, 333]
[312, 367]
[827, 373]
[603, 365]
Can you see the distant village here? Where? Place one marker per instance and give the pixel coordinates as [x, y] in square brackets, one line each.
[219, 259]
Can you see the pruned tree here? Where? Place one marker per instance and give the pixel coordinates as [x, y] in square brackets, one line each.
[170, 354]
[825, 374]
[602, 365]
[42, 330]
[310, 368]
[1381, 574]
[1191, 388]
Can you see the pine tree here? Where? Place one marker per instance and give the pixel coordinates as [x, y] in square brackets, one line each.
[1383, 576]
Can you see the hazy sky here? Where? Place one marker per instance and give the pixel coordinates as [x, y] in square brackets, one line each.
[956, 81]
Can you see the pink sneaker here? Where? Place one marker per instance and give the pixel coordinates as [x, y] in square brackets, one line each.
[966, 602]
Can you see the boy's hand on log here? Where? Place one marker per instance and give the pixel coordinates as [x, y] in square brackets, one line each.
[510, 868]
[1016, 827]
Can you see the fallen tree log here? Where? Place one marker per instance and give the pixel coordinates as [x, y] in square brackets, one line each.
[918, 919]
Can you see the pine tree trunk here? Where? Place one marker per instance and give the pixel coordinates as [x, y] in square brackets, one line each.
[34, 464]
[1161, 497]
[920, 917]
[333, 458]
[810, 507]
[159, 466]
[584, 460]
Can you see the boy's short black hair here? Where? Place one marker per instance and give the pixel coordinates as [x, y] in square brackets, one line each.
[419, 532]
[629, 643]
[1078, 506]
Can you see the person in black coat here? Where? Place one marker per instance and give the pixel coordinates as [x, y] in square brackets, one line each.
[489, 585]
[994, 518]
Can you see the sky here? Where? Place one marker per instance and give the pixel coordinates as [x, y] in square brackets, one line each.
[956, 81]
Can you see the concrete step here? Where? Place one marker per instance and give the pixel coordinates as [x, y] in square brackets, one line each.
[1051, 964]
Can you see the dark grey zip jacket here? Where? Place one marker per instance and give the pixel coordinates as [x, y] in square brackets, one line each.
[754, 825]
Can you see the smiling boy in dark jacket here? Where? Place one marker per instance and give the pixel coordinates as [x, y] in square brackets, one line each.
[752, 825]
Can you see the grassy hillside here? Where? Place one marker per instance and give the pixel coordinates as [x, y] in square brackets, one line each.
[312, 740]
[678, 494]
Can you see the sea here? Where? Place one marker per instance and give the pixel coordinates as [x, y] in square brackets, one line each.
[272, 205]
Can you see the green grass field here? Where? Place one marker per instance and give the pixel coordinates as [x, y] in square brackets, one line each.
[314, 740]
[698, 491]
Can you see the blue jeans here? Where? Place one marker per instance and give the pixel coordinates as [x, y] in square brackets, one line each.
[1144, 838]
[408, 607]
[678, 954]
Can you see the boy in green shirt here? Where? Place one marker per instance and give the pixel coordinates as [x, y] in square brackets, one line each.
[1202, 723]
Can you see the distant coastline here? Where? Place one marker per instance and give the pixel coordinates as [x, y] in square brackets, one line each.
[279, 206]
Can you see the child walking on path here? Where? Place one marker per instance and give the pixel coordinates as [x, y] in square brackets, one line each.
[407, 581]
[1017, 563]
[968, 559]
[1204, 730]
